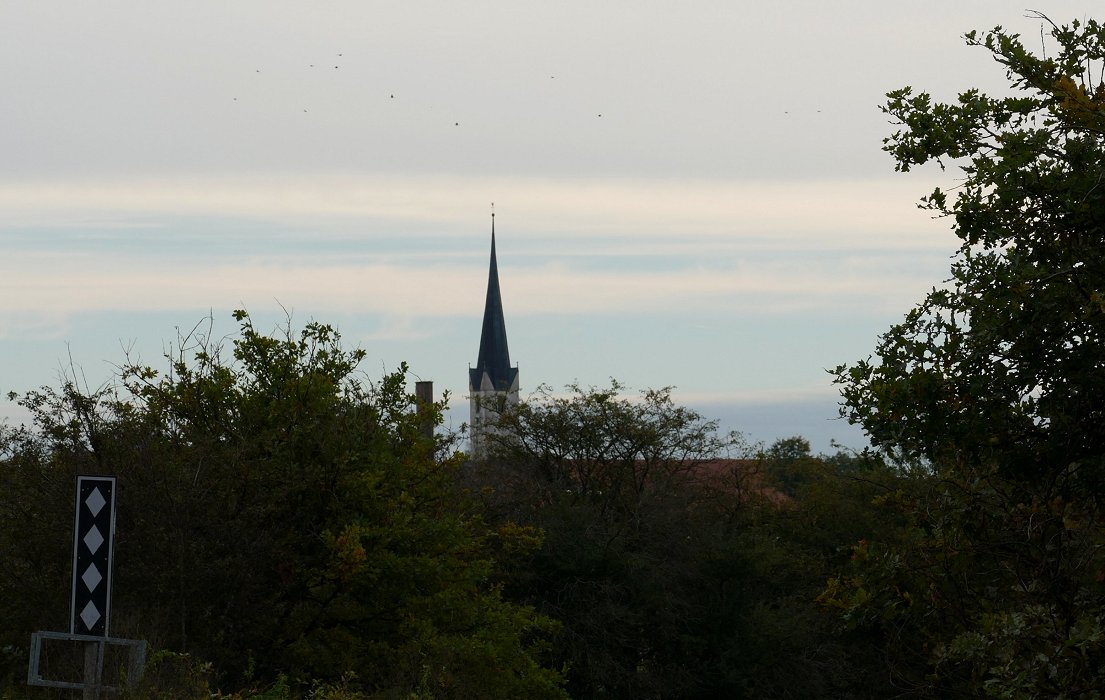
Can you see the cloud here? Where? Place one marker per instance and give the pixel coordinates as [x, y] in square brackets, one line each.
[772, 395]
[402, 247]
[58, 284]
[775, 395]
[835, 214]
[38, 324]
[398, 328]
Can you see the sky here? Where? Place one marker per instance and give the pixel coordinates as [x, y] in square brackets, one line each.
[686, 194]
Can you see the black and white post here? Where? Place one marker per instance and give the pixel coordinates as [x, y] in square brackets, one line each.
[93, 544]
[90, 600]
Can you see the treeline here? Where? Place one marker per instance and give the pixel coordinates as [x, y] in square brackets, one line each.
[681, 562]
[285, 527]
[279, 517]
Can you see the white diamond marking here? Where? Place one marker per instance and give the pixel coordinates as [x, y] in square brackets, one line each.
[91, 577]
[90, 615]
[93, 539]
[95, 501]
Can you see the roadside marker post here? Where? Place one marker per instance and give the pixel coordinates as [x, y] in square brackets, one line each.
[93, 549]
[90, 597]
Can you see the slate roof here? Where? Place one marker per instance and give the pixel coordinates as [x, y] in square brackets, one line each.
[494, 358]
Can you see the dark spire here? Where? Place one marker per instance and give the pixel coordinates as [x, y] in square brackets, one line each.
[494, 358]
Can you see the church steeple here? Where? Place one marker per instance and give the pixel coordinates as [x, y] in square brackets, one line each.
[494, 357]
[492, 383]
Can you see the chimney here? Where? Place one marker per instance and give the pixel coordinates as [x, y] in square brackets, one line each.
[424, 393]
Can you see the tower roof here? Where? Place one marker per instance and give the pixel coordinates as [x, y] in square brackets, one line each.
[494, 358]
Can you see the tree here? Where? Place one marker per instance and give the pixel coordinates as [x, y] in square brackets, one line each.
[280, 516]
[608, 480]
[784, 459]
[994, 386]
[676, 568]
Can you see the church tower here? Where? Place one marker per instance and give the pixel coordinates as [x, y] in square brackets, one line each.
[492, 383]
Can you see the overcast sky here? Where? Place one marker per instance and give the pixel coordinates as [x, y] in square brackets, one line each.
[686, 193]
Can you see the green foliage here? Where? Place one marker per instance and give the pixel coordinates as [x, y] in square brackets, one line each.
[278, 516]
[607, 479]
[995, 386]
[673, 562]
[785, 460]
[173, 676]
